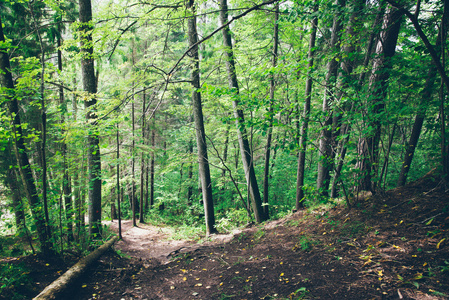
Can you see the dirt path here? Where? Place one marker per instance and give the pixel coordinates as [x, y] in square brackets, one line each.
[150, 242]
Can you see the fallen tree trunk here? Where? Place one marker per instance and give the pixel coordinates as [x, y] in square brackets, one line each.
[59, 285]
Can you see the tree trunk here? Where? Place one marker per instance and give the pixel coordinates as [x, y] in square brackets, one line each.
[66, 180]
[93, 139]
[245, 150]
[142, 165]
[368, 146]
[204, 171]
[117, 166]
[57, 287]
[270, 116]
[306, 116]
[153, 145]
[325, 146]
[20, 149]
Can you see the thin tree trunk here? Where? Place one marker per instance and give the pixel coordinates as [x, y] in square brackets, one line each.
[93, 139]
[306, 116]
[270, 115]
[117, 166]
[133, 161]
[153, 145]
[204, 171]
[247, 159]
[142, 165]
[66, 181]
[190, 176]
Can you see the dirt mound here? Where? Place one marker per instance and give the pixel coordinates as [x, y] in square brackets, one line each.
[389, 246]
[392, 245]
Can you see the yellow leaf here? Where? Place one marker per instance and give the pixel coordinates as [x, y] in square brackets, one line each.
[84, 285]
[439, 243]
[184, 278]
[221, 283]
[184, 271]
[282, 274]
[199, 284]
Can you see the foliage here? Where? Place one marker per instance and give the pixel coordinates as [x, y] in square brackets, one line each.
[13, 275]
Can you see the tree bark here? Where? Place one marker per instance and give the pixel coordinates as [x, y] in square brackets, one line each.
[57, 287]
[270, 115]
[306, 115]
[142, 165]
[368, 146]
[325, 145]
[245, 150]
[204, 171]
[93, 139]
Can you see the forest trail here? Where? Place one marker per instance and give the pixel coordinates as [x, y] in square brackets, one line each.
[147, 242]
[393, 245]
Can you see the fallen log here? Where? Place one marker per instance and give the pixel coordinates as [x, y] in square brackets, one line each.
[62, 283]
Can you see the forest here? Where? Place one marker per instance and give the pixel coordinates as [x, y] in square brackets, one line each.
[207, 116]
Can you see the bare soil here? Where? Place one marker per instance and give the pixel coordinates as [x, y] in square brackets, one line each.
[388, 246]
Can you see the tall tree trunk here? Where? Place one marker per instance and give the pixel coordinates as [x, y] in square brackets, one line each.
[204, 171]
[117, 166]
[152, 162]
[426, 95]
[142, 165]
[133, 161]
[66, 180]
[190, 176]
[325, 147]
[270, 115]
[20, 149]
[368, 146]
[93, 139]
[306, 115]
[247, 159]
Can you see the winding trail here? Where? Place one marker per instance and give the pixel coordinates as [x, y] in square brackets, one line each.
[150, 242]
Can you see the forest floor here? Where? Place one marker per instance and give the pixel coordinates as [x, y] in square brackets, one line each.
[393, 245]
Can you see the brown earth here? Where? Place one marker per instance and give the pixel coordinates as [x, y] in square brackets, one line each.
[389, 246]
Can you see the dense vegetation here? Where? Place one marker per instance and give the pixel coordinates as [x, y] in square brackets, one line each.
[211, 114]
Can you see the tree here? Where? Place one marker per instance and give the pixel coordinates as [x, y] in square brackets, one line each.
[378, 83]
[270, 114]
[306, 114]
[204, 172]
[93, 139]
[245, 150]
